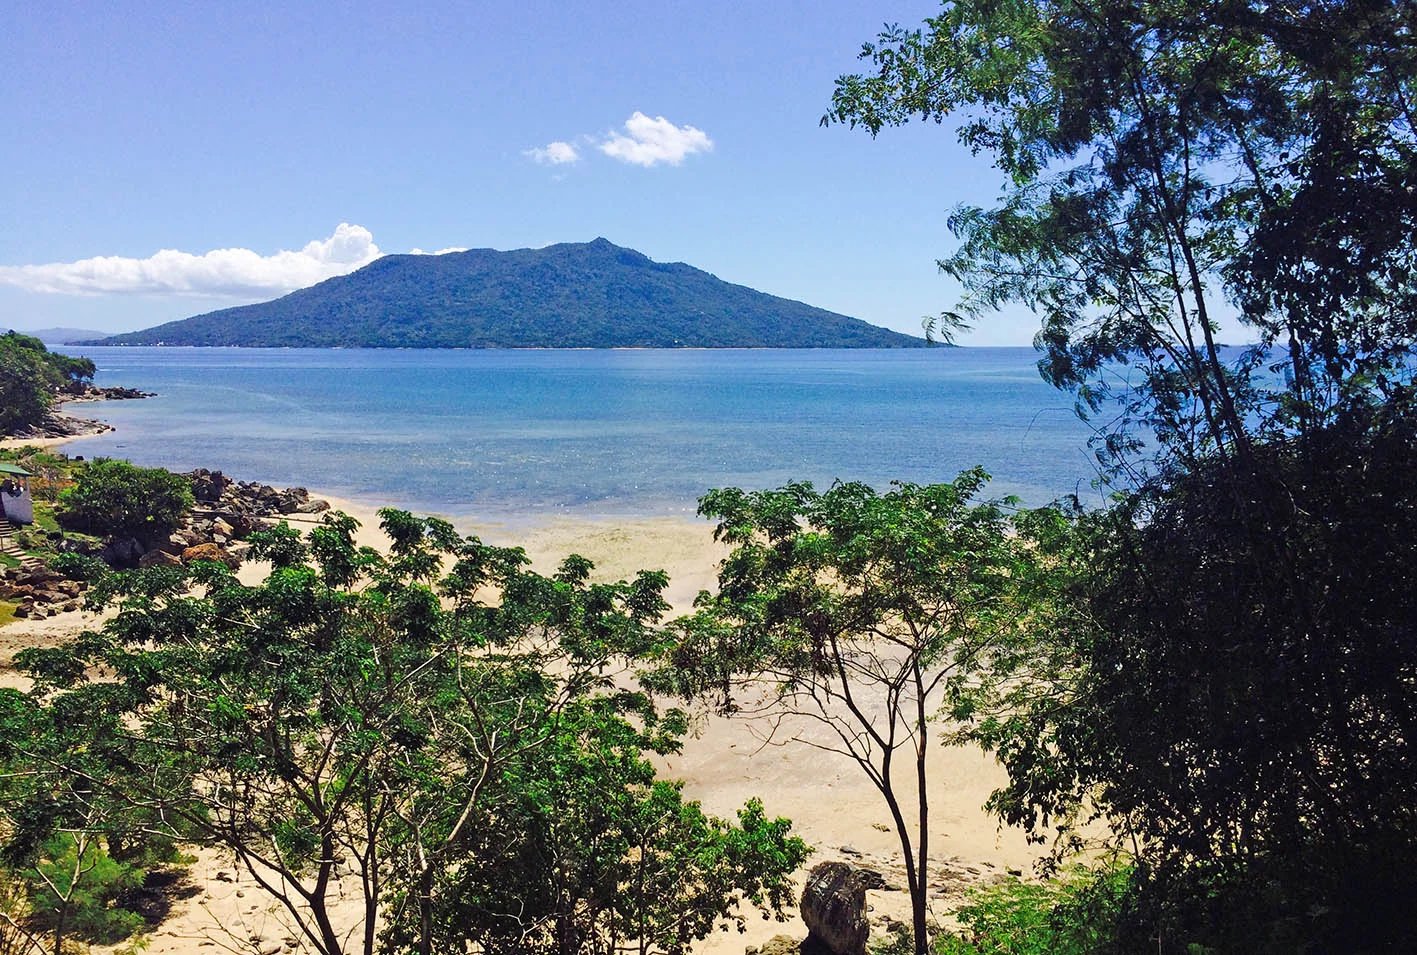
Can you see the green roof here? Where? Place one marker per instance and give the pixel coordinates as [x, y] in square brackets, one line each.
[13, 469]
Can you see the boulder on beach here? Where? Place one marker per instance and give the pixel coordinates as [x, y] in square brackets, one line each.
[834, 908]
[211, 552]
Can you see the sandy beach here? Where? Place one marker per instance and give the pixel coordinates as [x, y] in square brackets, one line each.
[830, 801]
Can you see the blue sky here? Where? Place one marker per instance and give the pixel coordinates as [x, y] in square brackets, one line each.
[134, 128]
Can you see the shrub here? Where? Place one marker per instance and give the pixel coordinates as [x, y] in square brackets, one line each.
[117, 499]
[1074, 915]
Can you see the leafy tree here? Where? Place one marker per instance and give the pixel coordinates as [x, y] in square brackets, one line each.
[575, 846]
[68, 850]
[25, 395]
[117, 499]
[1233, 675]
[1161, 153]
[1241, 700]
[30, 377]
[370, 711]
[858, 623]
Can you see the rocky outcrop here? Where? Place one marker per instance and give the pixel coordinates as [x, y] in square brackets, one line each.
[60, 426]
[39, 592]
[222, 497]
[834, 908]
[82, 391]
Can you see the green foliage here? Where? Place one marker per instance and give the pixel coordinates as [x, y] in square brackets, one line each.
[592, 295]
[1227, 667]
[1073, 915]
[881, 619]
[1160, 153]
[451, 722]
[577, 847]
[1243, 703]
[30, 377]
[117, 499]
[76, 890]
[26, 389]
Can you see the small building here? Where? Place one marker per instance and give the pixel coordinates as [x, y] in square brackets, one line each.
[16, 504]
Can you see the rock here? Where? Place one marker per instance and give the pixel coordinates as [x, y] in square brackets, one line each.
[225, 876]
[834, 908]
[208, 486]
[121, 553]
[159, 558]
[210, 552]
[313, 507]
[777, 945]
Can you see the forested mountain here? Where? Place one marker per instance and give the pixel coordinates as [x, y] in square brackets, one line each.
[584, 295]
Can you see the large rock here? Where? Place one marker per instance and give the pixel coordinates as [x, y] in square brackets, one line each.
[208, 486]
[210, 552]
[834, 908]
[122, 553]
[158, 558]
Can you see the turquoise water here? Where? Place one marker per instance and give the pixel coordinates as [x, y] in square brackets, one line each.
[525, 433]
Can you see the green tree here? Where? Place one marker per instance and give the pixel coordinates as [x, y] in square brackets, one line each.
[358, 711]
[1163, 153]
[30, 377]
[1229, 683]
[116, 499]
[866, 622]
[25, 393]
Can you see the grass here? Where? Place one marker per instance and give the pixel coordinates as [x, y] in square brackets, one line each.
[7, 561]
[7, 612]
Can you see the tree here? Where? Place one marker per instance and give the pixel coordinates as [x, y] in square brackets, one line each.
[116, 499]
[30, 378]
[858, 623]
[1226, 687]
[1158, 154]
[24, 395]
[359, 712]
[1241, 705]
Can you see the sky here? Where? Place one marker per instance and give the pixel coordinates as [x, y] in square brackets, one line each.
[163, 160]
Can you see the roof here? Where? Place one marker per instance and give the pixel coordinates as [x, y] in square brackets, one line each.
[13, 469]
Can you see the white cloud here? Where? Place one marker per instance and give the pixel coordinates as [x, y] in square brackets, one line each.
[648, 142]
[554, 154]
[451, 248]
[221, 272]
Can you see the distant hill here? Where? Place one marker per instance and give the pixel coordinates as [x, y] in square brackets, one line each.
[64, 336]
[587, 295]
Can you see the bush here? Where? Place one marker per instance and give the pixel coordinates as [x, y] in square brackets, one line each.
[1074, 915]
[117, 499]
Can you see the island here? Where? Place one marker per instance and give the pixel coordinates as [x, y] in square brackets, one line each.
[573, 295]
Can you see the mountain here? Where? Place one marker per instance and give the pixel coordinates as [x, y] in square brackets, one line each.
[63, 336]
[587, 295]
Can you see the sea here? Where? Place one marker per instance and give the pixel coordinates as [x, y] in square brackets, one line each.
[520, 435]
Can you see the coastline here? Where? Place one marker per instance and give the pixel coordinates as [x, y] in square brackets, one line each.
[722, 764]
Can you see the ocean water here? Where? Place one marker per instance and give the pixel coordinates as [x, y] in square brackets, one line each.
[524, 434]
